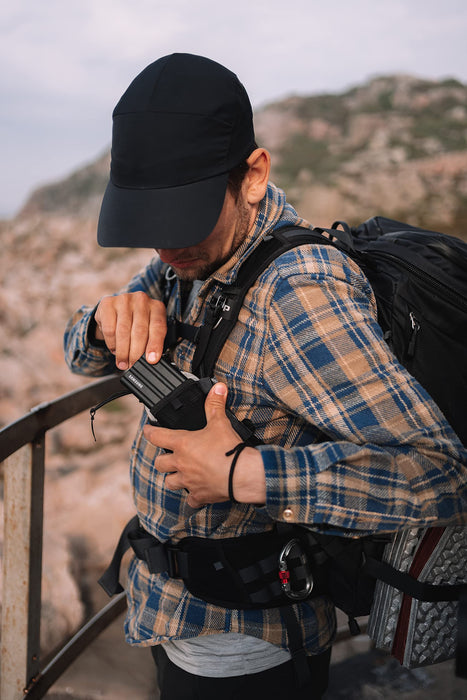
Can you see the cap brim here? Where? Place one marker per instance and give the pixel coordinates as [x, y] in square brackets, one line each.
[173, 217]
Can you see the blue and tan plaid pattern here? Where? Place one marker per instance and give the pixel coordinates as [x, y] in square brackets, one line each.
[366, 449]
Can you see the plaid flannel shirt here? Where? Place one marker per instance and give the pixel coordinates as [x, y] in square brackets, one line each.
[353, 444]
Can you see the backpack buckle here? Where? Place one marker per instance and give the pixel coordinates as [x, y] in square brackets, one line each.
[294, 548]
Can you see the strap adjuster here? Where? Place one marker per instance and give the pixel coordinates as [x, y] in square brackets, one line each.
[172, 561]
[159, 556]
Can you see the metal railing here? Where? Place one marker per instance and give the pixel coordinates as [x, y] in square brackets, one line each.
[22, 451]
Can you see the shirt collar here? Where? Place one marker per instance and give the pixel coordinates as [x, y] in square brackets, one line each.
[274, 212]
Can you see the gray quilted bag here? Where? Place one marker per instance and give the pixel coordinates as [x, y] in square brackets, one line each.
[417, 632]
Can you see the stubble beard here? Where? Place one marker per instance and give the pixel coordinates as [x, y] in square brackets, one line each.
[204, 271]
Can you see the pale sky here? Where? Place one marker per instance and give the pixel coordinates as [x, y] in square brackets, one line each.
[65, 63]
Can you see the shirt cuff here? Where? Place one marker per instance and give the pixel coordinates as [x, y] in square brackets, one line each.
[91, 333]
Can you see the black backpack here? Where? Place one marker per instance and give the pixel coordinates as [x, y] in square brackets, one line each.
[419, 278]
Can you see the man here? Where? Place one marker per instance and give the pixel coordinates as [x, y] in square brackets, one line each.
[350, 443]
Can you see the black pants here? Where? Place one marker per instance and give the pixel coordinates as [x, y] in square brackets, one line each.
[274, 684]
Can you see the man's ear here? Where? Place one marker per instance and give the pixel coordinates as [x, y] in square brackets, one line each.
[257, 177]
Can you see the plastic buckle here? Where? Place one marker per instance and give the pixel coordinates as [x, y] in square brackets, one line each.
[284, 572]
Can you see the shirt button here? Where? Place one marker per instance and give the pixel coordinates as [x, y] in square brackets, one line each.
[287, 514]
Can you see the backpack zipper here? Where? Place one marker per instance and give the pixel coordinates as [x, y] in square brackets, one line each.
[413, 336]
[421, 274]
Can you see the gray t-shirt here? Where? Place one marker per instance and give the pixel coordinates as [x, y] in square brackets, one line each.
[225, 655]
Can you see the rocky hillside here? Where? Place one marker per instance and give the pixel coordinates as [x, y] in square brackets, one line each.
[395, 146]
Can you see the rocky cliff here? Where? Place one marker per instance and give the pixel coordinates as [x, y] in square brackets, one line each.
[396, 146]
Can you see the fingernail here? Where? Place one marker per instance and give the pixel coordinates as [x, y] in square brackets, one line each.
[219, 389]
[152, 357]
[122, 365]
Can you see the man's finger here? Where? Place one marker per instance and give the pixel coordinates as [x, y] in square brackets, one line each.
[160, 437]
[174, 482]
[214, 406]
[106, 322]
[157, 332]
[139, 335]
[122, 336]
[165, 463]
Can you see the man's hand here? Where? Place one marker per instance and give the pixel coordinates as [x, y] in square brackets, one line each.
[198, 463]
[132, 325]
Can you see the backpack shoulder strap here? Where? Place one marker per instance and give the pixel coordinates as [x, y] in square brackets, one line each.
[229, 302]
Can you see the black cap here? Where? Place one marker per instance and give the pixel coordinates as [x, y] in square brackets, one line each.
[180, 127]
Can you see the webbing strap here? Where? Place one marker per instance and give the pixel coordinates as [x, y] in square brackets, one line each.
[295, 645]
[110, 578]
[210, 337]
[260, 571]
[419, 590]
[268, 250]
[176, 330]
[159, 556]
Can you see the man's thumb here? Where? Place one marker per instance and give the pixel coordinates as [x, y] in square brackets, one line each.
[215, 401]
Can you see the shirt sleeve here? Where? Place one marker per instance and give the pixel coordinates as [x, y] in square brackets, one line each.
[94, 359]
[388, 459]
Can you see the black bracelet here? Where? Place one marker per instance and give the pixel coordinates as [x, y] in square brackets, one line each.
[236, 452]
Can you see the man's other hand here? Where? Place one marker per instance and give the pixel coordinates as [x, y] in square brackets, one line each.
[197, 460]
[131, 325]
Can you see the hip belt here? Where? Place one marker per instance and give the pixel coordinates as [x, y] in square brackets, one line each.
[271, 569]
[263, 570]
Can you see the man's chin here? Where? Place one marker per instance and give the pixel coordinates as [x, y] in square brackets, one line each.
[185, 275]
[185, 270]
[189, 273]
